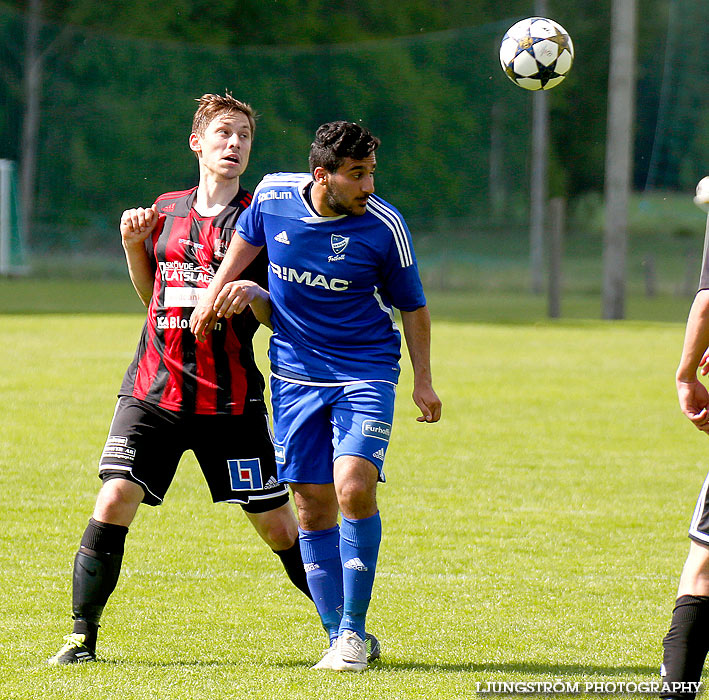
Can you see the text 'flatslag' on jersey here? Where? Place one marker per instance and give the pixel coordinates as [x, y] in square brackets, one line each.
[334, 283]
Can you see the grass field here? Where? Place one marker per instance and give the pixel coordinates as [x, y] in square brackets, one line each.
[535, 534]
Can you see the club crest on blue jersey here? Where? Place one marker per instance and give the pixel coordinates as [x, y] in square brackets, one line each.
[280, 452]
[338, 243]
[245, 474]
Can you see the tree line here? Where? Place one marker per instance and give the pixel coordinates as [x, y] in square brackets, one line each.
[120, 79]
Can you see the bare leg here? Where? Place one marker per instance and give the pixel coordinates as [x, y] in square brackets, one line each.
[278, 528]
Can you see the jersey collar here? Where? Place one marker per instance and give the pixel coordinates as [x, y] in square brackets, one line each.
[314, 217]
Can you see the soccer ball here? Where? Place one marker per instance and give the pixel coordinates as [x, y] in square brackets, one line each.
[702, 198]
[536, 53]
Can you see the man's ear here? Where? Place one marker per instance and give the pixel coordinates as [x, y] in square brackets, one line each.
[195, 145]
[320, 175]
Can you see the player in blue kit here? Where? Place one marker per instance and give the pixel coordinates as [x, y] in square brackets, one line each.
[341, 259]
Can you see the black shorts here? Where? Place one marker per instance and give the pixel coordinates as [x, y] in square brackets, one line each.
[145, 444]
[699, 527]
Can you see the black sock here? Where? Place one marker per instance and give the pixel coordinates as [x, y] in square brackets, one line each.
[293, 564]
[686, 644]
[97, 566]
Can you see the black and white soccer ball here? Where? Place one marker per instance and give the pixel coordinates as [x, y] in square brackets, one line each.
[536, 53]
[702, 196]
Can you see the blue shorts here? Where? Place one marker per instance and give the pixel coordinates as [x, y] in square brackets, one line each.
[314, 425]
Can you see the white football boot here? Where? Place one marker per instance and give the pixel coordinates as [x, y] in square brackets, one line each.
[328, 655]
[350, 653]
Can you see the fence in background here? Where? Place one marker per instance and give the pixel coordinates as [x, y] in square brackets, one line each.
[116, 112]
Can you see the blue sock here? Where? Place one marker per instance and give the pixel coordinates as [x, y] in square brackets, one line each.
[323, 570]
[359, 548]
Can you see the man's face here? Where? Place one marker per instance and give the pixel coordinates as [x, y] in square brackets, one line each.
[347, 190]
[225, 146]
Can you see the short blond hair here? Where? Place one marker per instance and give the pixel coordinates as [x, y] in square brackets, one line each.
[213, 106]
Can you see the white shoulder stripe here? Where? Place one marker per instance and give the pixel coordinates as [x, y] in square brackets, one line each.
[396, 226]
[295, 177]
[386, 309]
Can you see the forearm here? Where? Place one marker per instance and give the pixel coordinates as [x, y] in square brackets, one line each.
[417, 333]
[261, 307]
[237, 258]
[141, 272]
[696, 338]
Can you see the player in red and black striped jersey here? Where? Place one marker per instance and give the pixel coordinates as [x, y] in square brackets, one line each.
[179, 394]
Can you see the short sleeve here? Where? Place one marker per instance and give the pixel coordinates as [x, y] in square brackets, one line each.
[250, 225]
[402, 282]
[704, 275]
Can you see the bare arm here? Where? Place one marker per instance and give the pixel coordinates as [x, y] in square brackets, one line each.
[692, 394]
[417, 332]
[261, 306]
[244, 293]
[136, 225]
[217, 299]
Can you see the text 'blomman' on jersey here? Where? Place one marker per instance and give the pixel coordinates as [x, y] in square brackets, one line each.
[311, 279]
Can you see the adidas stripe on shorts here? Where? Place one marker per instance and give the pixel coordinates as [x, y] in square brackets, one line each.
[699, 527]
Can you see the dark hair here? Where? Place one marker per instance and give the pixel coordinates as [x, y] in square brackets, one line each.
[336, 141]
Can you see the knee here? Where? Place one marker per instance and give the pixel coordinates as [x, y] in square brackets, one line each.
[117, 502]
[277, 528]
[356, 486]
[317, 519]
[695, 574]
[316, 505]
[357, 499]
[696, 570]
[280, 535]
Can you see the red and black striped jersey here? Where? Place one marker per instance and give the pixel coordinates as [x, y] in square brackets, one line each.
[170, 368]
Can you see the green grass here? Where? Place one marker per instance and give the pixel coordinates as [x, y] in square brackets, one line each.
[535, 534]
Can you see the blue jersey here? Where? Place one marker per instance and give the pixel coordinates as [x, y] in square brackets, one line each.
[334, 282]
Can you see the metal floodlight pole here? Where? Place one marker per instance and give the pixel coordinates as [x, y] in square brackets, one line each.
[619, 149]
[30, 126]
[538, 184]
[5, 221]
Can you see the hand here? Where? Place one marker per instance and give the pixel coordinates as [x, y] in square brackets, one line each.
[427, 400]
[694, 402]
[137, 225]
[704, 363]
[235, 297]
[203, 320]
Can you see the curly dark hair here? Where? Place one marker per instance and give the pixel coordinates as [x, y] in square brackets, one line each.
[338, 140]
